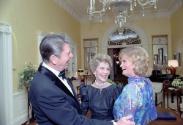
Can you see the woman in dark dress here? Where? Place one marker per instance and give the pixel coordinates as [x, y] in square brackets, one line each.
[99, 97]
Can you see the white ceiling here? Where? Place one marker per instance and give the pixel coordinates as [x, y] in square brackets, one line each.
[78, 8]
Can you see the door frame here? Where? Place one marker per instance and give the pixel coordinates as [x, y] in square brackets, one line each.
[6, 75]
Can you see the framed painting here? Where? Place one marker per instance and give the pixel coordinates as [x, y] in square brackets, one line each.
[160, 49]
[90, 50]
[178, 56]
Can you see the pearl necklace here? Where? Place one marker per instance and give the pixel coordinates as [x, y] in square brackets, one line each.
[101, 85]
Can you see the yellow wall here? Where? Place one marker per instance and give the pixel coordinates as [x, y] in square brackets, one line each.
[177, 34]
[30, 17]
[150, 26]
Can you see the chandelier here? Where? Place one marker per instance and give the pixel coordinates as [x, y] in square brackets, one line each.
[123, 7]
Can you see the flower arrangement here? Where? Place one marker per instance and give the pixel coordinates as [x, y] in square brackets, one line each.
[26, 75]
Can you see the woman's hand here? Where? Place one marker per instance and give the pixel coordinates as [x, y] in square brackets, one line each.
[128, 120]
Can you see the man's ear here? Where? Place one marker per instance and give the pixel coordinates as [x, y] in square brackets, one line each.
[53, 59]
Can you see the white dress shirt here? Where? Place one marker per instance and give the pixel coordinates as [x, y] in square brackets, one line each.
[64, 81]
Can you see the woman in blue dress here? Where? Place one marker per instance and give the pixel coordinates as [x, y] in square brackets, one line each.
[99, 97]
[136, 98]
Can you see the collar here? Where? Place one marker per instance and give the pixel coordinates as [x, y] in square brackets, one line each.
[51, 69]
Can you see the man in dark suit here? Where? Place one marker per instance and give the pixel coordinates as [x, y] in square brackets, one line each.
[51, 95]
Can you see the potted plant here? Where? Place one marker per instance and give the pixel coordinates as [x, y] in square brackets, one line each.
[26, 75]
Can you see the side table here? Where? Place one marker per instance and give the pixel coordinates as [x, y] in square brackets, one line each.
[175, 95]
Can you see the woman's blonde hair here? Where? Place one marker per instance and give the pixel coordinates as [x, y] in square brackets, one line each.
[98, 58]
[139, 58]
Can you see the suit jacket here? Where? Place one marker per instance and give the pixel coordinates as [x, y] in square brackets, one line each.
[54, 104]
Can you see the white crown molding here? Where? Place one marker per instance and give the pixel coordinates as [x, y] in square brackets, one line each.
[176, 5]
[66, 7]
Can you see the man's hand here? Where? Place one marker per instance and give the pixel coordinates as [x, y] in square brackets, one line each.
[126, 121]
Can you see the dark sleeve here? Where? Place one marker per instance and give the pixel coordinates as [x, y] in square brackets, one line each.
[84, 98]
[118, 90]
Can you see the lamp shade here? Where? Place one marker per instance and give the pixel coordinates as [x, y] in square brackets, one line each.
[173, 63]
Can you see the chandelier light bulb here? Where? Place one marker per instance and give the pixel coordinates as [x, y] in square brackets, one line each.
[155, 6]
[131, 7]
[143, 14]
[135, 3]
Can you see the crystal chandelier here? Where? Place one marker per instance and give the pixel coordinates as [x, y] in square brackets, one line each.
[123, 7]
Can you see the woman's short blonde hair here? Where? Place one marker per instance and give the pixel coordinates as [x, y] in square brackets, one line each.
[98, 58]
[139, 58]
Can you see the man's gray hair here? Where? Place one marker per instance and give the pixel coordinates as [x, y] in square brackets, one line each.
[51, 44]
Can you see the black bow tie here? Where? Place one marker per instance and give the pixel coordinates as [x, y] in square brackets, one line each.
[62, 74]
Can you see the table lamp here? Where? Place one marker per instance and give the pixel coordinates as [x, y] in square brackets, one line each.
[172, 64]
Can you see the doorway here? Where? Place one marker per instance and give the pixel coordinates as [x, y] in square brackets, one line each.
[118, 40]
[116, 73]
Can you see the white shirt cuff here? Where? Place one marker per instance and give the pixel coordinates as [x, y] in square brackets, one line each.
[114, 123]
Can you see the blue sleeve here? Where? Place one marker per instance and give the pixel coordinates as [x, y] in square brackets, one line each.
[128, 101]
